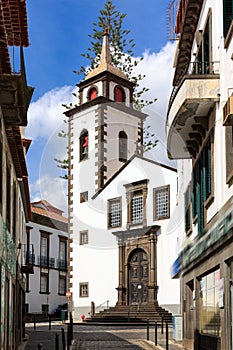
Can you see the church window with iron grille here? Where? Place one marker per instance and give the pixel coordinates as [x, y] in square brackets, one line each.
[162, 203]
[136, 207]
[83, 237]
[114, 212]
[83, 290]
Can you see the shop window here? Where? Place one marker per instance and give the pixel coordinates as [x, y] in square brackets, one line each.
[210, 300]
[114, 212]
[83, 237]
[83, 290]
[162, 203]
[119, 94]
[92, 93]
[83, 145]
[123, 141]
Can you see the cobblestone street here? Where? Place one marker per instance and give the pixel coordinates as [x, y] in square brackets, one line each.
[97, 337]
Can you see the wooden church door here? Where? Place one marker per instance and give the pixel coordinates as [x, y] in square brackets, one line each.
[138, 278]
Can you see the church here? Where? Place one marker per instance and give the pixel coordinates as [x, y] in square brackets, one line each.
[122, 206]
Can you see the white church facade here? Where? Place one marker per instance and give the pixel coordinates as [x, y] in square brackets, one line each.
[122, 206]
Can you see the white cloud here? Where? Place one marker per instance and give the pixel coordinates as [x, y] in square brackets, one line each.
[53, 189]
[46, 114]
[158, 68]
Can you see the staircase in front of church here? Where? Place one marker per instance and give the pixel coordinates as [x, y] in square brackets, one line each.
[131, 314]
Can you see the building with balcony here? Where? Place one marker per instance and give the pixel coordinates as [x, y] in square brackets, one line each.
[15, 96]
[199, 136]
[47, 232]
[122, 206]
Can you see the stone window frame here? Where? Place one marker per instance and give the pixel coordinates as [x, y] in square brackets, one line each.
[83, 293]
[130, 189]
[83, 237]
[165, 188]
[110, 202]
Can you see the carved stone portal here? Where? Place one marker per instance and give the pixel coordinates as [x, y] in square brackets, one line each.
[138, 266]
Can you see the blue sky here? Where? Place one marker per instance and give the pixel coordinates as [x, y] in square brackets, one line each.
[58, 32]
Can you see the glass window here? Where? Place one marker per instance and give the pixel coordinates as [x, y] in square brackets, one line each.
[136, 194]
[83, 145]
[83, 290]
[62, 285]
[44, 282]
[162, 203]
[136, 207]
[62, 260]
[209, 303]
[114, 212]
[83, 237]
[123, 140]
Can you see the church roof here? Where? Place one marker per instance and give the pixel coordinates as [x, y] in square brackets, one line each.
[106, 62]
[135, 156]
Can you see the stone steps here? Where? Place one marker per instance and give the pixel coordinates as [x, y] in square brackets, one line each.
[132, 314]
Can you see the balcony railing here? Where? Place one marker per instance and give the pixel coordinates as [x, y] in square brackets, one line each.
[62, 264]
[203, 69]
[28, 258]
[45, 261]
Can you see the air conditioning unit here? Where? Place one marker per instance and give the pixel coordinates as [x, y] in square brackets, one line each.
[228, 112]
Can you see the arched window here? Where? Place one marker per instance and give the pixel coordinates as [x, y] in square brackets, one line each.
[122, 146]
[92, 93]
[83, 145]
[119, 94]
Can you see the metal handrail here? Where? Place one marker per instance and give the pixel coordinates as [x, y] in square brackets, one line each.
[107, 301]
[195, 68]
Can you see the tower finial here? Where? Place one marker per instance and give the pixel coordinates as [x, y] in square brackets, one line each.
[105, 53]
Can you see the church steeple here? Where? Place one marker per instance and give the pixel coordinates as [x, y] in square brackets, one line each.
[105, 64]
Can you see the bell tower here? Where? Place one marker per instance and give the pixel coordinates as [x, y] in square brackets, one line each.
[106, 130]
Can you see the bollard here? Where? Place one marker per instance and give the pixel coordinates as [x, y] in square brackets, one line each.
[63, 339]
[71, 328]
[56, 342]
[49, 316]
[156, 335]
[34, 320]
[40, 346]
[147, 330]
[68, 336]
[167, 344]
[162, 325]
